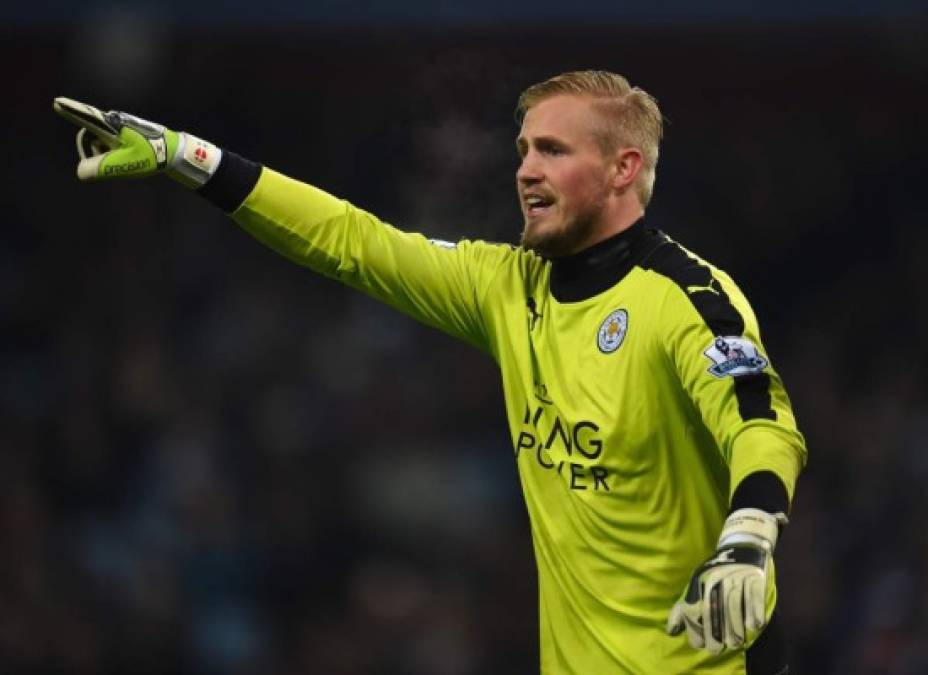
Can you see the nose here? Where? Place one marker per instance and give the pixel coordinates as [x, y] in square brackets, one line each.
[529, 171]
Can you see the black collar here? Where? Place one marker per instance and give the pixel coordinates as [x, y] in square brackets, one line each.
[603, 265]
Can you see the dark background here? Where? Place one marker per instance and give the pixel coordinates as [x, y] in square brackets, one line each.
[213, 461]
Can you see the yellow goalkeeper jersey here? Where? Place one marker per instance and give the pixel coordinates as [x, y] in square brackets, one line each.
[634, 412]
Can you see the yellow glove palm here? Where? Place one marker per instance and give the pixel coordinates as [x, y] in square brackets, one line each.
[119, 145]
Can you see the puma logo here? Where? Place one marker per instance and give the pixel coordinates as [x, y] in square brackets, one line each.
[699, 289]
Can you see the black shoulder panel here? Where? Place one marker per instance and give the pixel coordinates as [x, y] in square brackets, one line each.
[723, 319]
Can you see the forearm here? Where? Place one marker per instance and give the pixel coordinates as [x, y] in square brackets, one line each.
[772, 449]
[307, 225]
[302, 223]
[438, 285]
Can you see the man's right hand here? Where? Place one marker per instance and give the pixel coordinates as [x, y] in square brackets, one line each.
[119, 145]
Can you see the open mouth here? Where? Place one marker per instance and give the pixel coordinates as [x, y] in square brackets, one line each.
[537, 205]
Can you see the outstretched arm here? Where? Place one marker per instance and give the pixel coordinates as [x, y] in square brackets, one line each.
[438, 283]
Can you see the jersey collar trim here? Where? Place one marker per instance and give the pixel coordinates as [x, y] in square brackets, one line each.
[591, 271]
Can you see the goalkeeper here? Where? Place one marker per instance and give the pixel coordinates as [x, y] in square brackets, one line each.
[655, 443]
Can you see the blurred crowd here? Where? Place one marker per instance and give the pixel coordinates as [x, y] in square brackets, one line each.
[213, 461]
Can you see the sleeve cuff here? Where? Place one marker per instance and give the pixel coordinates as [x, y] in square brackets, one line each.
[762, 490]
[233, 181]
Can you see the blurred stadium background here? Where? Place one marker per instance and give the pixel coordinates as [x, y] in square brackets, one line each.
[212, 461]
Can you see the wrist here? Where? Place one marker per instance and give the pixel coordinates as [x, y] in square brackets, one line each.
[753, 527]
[193, 160]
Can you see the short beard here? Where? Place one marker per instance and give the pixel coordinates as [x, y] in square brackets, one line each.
[565, 241]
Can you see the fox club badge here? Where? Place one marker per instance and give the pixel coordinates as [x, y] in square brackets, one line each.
[612, 331]
[734, 356]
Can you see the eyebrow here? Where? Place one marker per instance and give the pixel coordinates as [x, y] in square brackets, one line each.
[522, 142]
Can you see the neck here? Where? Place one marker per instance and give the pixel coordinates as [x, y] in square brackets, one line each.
[603, 264]
[618, 216]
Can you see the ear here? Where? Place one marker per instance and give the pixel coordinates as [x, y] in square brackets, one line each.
[627, 166]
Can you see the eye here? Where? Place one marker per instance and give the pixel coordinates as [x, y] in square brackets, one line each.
[552, 149]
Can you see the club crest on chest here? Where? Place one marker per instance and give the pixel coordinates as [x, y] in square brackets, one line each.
[612, 331]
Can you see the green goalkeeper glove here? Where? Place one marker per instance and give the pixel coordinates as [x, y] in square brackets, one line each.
[118, 145]
[724, 606]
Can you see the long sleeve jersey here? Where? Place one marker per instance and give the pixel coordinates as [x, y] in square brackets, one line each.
[635, 406]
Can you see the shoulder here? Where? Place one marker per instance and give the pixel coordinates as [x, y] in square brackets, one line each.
[475, 249]
[509, 269]
[680, 266]
[694, 283]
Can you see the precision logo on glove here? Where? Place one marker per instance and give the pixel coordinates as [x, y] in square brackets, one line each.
[128, 167]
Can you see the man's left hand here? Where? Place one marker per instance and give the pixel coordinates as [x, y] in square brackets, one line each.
[724, 605]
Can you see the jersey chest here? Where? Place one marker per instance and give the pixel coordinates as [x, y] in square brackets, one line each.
[584, 393]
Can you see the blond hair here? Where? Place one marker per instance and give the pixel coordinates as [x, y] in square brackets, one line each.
[631, 115]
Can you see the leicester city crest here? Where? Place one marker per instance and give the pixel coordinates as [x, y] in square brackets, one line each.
[612, 331]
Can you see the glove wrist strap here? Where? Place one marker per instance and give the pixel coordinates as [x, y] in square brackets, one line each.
[195, 160]
[752, 526]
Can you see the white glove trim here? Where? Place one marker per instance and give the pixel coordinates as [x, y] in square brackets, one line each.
[752, 526]
[195, 160]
